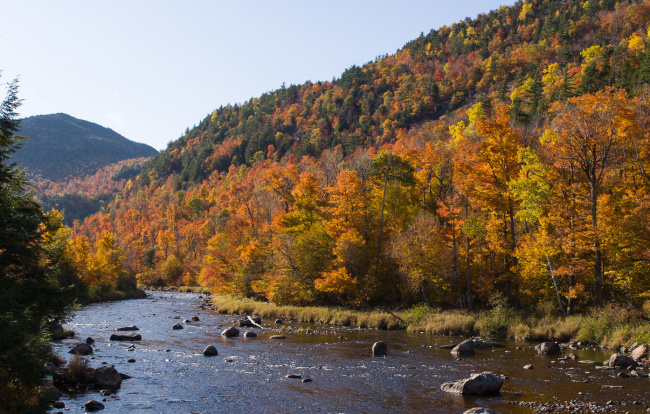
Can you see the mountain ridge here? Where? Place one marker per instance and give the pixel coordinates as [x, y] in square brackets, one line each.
[61, 146]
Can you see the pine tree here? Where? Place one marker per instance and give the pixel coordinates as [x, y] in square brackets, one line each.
[644, 68]
[29, 290]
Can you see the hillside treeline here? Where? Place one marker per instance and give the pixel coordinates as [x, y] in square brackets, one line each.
[505, 154]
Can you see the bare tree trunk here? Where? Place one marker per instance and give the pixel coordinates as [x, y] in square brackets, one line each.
[598, 256]
[456, 267]
[557, 292]
[381, 220]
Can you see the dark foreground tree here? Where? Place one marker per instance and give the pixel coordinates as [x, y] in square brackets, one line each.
[31, 246]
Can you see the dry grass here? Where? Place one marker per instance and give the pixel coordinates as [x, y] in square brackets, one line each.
[77, 369]
[555, 329]
[312, 314]
[452, 322]
[608, 327]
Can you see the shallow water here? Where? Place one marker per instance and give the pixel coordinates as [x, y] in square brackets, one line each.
[250, 374]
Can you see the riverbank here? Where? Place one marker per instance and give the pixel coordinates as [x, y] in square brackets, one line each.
[96, 296]
[610, 327]
[182, 289]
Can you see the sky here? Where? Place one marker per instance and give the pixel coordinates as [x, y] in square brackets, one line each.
[149, 69]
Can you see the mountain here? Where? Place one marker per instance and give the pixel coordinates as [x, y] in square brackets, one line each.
[503, 157]
[61, 146]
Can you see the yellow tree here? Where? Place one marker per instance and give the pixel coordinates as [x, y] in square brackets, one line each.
[108, 260]
[486, 163]
[423, 256]
[165, 240]
[348, 206]
[590, 133]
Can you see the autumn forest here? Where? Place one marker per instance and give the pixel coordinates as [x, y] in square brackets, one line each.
[504, 155]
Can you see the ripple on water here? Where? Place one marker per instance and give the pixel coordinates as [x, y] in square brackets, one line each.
[346, 378]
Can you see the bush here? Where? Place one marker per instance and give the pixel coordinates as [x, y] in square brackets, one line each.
[498, 320]
[77, 369]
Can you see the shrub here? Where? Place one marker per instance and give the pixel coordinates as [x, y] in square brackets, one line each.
[498, 320]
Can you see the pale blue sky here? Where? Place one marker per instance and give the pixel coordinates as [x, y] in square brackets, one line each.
[149, 69]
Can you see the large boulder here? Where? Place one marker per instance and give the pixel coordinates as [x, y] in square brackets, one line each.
[107, 378]
[620, 361]
[177, 326]
[484, 344]
[128, 328]
[250, 334]
[230, 332]
[210, 350]
[93, 405]
[639, 352]
[50, 393]
[81, 349]
[548, 348]
[54, 328]
[379, 348]
[253, 322]
[464, 348]
[126, 337]
[485, 383]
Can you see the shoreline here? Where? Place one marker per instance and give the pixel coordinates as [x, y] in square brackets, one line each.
[606, 328]
[112, 295]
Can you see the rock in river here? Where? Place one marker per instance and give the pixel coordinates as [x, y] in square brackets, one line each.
[230, 332]
[107, 378]
[548, 348]
[128, 328]
[250, 334]
[485, 383]
[483, 344]
[379, 348]
[126, 337]
[622, 361]
[210, 350]
[464, 348]
[93, 405]
[177, 326]
[479, 410]
[639, 352]
[55, 328]
[82, 349]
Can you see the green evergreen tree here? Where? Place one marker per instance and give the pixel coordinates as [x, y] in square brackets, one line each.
[644, 68]
[30, 293]
[567, 88]
[590, 80]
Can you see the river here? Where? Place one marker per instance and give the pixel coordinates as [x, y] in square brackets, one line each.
[171, 375]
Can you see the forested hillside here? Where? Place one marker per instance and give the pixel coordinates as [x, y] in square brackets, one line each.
[62, 147]
[79, 197]
[506, 154]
